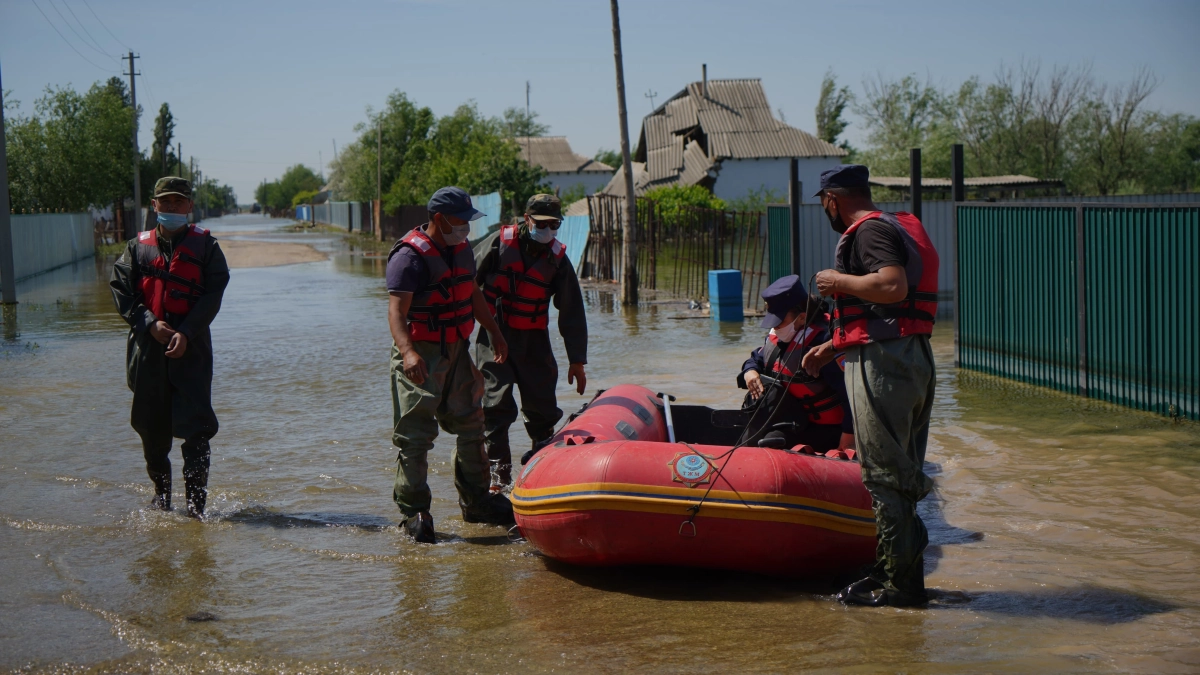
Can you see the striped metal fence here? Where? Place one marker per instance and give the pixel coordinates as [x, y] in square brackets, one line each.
[1099, 299]
[45, 241]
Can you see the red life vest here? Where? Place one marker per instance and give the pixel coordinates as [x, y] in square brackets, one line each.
[519, 296]
[171, 287]
[441, 311]
[820, 401]
[857, 321]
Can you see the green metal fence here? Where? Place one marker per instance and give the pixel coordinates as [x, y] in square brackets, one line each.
[779, 242]
[1097, 299]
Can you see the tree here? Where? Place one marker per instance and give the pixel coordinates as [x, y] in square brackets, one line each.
[609, 157]
[1110, 137]
[830, 107]
[281, 193]
[164, 132]
[72, 152]
[674, 201]
[519, 124]
[900, 115]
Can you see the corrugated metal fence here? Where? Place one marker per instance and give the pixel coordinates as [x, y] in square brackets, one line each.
[44, 241]
[1099, 299]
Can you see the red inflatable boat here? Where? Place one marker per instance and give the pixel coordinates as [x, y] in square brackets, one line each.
[611, 490]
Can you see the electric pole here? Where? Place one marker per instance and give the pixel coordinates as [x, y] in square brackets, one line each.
[137, 155]
[178, 159]
[527, 120]
[650, 94]
[8, 271]
[629, 278]
[379, 161]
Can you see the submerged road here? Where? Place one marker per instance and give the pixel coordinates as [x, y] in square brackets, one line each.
[1072, 527]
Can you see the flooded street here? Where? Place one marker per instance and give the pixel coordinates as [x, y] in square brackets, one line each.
[1073, 527]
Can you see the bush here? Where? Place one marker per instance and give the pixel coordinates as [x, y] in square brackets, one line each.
[303, 197]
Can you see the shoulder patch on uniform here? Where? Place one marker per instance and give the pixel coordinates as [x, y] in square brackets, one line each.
[146, 237]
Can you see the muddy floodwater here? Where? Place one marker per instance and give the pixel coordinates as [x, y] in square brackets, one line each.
[1070, 528]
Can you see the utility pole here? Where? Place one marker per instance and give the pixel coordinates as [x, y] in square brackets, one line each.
[137, 155]
[8, 271]
[629, 279]
[650, 94]
[527, 120]
[379, 161]
[178, 159]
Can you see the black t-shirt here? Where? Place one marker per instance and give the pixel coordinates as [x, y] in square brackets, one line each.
[876, 245]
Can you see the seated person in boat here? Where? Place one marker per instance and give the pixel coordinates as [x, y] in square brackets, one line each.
[789, 407]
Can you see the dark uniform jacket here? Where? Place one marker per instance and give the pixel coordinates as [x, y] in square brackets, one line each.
[832, 374]
[568, 298]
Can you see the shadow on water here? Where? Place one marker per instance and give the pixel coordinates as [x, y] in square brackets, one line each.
[1090, 604]
[261, 516]
[690, 584]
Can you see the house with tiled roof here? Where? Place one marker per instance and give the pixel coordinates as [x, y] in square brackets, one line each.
[721, 134]
[564, 169]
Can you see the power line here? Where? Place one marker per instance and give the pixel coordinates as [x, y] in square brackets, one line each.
[88, 32]
[81, 38]
[119, 41]
[64, 39]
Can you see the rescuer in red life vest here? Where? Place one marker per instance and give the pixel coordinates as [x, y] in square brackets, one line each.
[168, 285]
[433, 305]
[884, 292]
[793, 407]
[522, 270]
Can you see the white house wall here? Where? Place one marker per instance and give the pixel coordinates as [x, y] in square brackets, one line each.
[565, 181]
[739, 176]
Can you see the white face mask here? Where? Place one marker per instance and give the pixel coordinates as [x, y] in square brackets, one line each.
[786, 332]
[543, 235]
[458, 234]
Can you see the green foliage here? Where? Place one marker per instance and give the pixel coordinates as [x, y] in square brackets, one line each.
[421, 153]
[518, 124]
[757, 200]
[830, 107]
[281, 194]
[73, 152]
[304, 197]
[573, 195]
[1061, 124]
[675, 200]
[609, 157]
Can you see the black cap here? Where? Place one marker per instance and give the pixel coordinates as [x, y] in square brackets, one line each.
[786, 293]
[453, 201]
[844, 176]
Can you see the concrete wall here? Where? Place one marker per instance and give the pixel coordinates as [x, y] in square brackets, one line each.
[590, 181]
[739, 176]
[44, 241]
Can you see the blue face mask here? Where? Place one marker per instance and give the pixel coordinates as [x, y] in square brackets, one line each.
[172, 221]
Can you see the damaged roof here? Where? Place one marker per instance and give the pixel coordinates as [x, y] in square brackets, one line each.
[686, 138]
[554, 154]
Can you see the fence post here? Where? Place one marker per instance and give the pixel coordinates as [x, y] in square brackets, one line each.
[957, 284]
[1081, 299]
[796, 198]
[914, 181]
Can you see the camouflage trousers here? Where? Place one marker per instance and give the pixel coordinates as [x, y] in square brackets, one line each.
[890, 385]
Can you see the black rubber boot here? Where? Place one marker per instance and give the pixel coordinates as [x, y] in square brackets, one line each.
[196, 489]
[500, 457]
[162, 491]
[871, 592]
[420, 528]
[494, 509]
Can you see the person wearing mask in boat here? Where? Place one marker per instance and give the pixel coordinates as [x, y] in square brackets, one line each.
[168, 285]
[522, 270]
[433, 305]
[791, 407]
[884, 288]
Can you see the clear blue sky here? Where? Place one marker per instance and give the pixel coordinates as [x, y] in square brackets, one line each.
[257, 86]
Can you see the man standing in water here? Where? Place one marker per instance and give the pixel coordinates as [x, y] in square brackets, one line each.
[433, 304]
[522, 268]
[168, 285]
[884, 291]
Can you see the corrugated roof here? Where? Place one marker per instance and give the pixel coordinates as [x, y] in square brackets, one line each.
[554, 154]
[734, 121]
[977, 181]
[641, 181]
[577, 208]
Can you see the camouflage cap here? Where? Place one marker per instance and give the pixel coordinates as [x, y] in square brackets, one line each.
[544, 207]
[172, 185]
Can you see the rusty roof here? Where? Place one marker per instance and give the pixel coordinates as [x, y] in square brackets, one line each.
[689, 134]
[554, 154]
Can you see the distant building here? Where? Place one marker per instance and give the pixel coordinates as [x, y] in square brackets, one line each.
[565, 169]
[721, 134]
